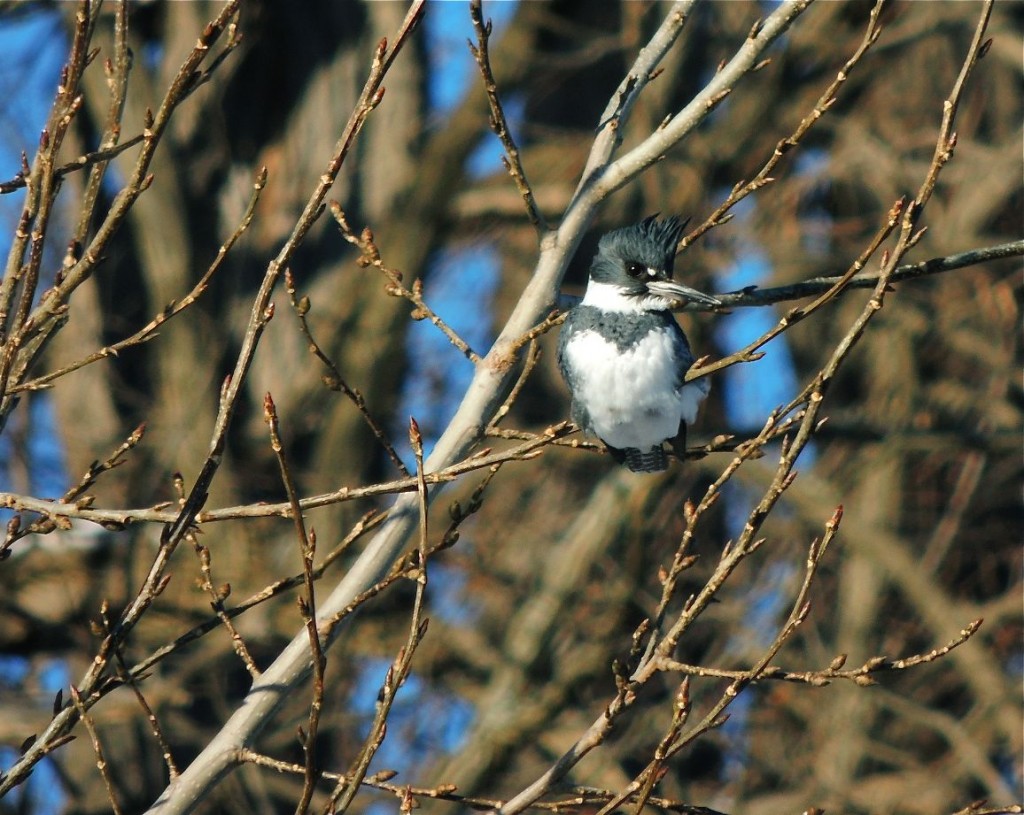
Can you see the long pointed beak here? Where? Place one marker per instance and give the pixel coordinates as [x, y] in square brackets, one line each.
[671, 290]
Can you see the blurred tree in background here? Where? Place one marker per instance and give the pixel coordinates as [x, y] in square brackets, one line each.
[535, 608]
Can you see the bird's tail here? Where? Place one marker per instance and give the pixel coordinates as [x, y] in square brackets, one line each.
[653, 460]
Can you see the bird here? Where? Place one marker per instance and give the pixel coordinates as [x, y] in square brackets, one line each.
[623, 355]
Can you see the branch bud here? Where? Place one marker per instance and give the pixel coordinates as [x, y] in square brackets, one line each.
[415, 437]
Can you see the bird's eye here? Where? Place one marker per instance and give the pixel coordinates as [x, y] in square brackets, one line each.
[635, 269]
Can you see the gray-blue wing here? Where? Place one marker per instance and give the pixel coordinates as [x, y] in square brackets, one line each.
[686, 360]
[683, 352]
[577, 412]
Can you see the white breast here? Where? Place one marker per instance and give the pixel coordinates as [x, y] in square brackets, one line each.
[631, 395]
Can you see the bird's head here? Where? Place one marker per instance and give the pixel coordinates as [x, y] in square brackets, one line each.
[632, 270]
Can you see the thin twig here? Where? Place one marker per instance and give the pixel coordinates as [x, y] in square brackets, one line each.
[94, 157]
[307, 608]
[345, 792]
[798, 614]
[946, 141]
[16, 530]
[364, 242]
[578, 797]
[497, 121]
[860, 676]
[97, 747]
[640, 791]
[117, 71]
[673, 740]
[532, 358]
[21, 277]
[132, 682]
[218, 595]
[40, 191]
[543, 327]
[777, 423]
[979, 808]
[334, 380]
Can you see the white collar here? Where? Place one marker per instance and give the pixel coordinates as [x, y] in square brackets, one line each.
[609, 297]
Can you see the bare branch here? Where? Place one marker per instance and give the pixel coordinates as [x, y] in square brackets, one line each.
[120, 518]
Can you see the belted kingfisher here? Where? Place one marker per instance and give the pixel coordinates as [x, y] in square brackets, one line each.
[622, 353]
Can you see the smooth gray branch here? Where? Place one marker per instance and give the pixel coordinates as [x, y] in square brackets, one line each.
[816, 285]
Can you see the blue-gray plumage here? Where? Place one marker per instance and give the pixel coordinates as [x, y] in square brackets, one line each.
[622, 353]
